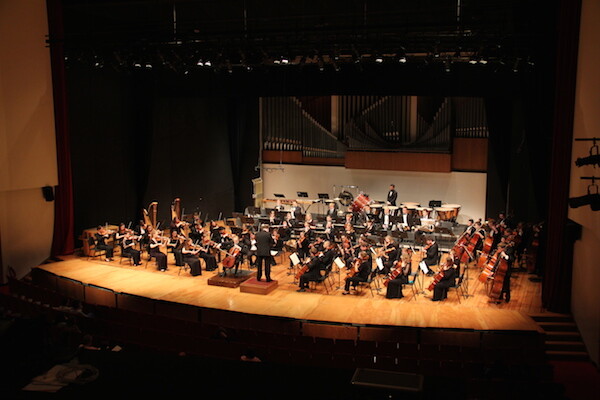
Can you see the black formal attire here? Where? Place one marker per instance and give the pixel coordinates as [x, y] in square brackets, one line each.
[431, 257]
[209, 259]
[312, 274]
[440, 291]
[190, 257]
[386, 222]
[161, 258]
[101, 244]
[303, 248]
[128, 250]
[364, 270]
[332, 213]
[295, 213]
[394, 287]
[392, 253]
[264, 244]
[327, 259]
[176, 245]
[392, 197]
[509, 252]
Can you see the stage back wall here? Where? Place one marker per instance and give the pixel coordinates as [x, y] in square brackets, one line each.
[464, 188]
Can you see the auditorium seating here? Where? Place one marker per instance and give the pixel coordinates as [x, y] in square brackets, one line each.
[177, 328]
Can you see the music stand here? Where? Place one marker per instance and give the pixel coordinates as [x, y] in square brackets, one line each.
[279, 195]
[435, 203]
[323, 196]
[302, 194]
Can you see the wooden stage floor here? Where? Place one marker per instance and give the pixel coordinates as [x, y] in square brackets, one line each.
[473, 312]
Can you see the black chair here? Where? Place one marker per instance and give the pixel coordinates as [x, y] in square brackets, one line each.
[412, 278]
[368, 283]
[457, 287]
[323, 279]
[93, 251]
[125, 255]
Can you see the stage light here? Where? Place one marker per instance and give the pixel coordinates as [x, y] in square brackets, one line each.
[447, 66]
[200, 63]
[516, 65]
[148, 66]
[207, 63]
[402, 59]
[137, 65]
[472, 61]
[284, 60]
[483, 61]
[379, 59]
[276, 61]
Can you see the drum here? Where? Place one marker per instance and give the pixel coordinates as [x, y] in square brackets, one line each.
[359, 203]
[454, 207]
[444, 213]
[391, 208]
[425, 212]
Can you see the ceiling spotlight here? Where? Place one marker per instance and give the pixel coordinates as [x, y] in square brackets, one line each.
[248, 68]
[472, 61]
[402, 59]
[200, 63]
[379, 59]
[516, 65]
[284, 60]
[447, 66]
[276, 61]
[483, 61]
[148, 66]
[207, 63]
[137, 65]
[186, 72]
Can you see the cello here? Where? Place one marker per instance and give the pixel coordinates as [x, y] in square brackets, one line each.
[488, 270]
[499, 276]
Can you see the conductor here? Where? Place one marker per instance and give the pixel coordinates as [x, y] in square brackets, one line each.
[264, 243]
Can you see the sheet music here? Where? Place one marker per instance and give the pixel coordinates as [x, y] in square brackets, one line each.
[295, 259]
[273, 252]
[379, 263]
[338, 261]
[423, 267]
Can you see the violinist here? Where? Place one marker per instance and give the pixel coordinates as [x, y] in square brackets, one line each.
[327, 255]
[285, 232]
[440, 291]
[128, 247]
[206, 255]
[102, 237]
[177, 225]
[120, 234]
[319, 244]
[313, 273]
[389, 255]
[197, 230]
[303, 245]
[308, 219]
[329, 227]
[431, 256]
[398, 277]
[349, 232]
[155, 242]
[190, 254]
[359, 272]
[273, 220]
[308, 230]
[175, 243]
[347, 252]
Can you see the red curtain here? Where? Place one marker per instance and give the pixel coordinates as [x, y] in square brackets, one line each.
[63, 239]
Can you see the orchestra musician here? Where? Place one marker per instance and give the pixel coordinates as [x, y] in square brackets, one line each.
[175, 243]
[392, 195]
[102, 236]
[177, 225]
[440, 291]
[295, 211]
[507, 253]
[349, 232]
[278, 206]
[401, 270]
[249, 247]
[389, 255]
[362, 270]
[120, 234]
[273, 220]
[329, 227]
[386, 220]
[190, 254]
[234, 253]
[431, 256]
[332, 210]
[161, 258]
[285, 231]
[206, 255]
[264, 243]
[313, 272]
[409, 219]
[128, 247]
[303, 245]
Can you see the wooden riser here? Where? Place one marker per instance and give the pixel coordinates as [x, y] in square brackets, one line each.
[256, 287]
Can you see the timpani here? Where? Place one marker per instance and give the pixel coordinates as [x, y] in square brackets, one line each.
[444, 213]
[454, 207]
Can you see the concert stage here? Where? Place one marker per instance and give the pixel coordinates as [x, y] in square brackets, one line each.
[104, 283]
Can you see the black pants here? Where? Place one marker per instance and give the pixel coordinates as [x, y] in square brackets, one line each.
[259, 264]
[161, 259]
[210, 260]
[354, 280]
[108, 249]
[308, 277]
[194, 263]
[440, 291]
[133, 253]
[178, 257]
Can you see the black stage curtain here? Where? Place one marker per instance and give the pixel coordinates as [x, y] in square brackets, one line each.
[133, 143]
[556, 292]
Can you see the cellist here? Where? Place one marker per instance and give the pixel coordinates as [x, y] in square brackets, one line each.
[401, 271]
[440, 291]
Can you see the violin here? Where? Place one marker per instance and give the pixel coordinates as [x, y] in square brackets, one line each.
[354, 269]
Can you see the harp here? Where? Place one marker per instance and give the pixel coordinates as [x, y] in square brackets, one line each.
[150, 214]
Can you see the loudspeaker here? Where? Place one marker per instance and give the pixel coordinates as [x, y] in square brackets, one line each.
[48, 192]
